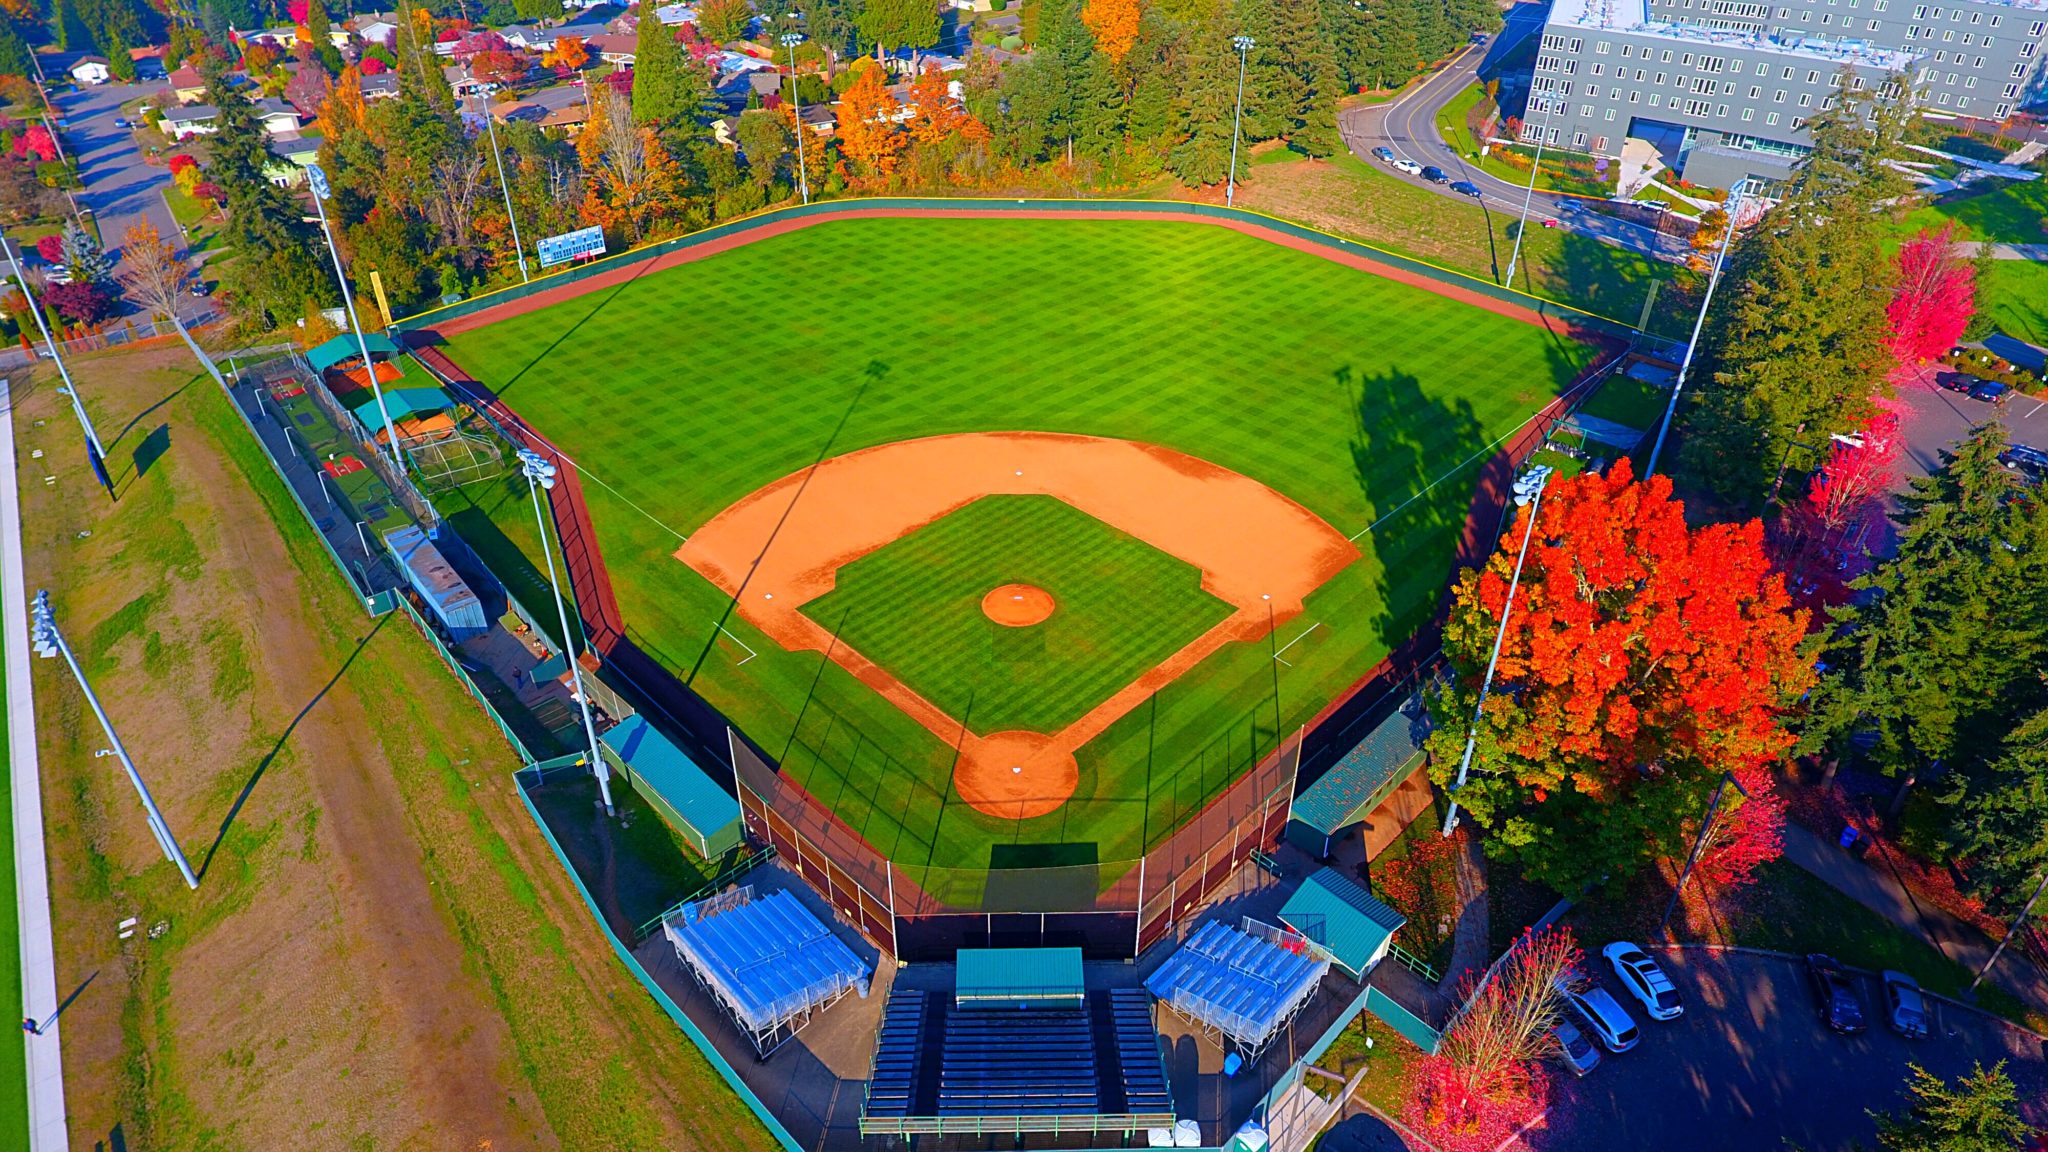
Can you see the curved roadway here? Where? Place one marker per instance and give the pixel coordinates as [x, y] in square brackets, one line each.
[1408, 126]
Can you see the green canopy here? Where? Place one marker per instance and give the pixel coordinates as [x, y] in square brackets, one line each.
[402, 403]
[344, 347]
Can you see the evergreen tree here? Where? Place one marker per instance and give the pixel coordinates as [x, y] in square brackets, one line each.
[1208, 95]
[1979, 1113]
[419, 67]
[834, 24]
[1150, 121]
[318, 27]
[660, 97]
[1939, 654]
[87, 262]
[1098, 110]
[892, 24]
[278, 255]
[119, 64]
[2002, 824]
[66, 30]
[14, 54]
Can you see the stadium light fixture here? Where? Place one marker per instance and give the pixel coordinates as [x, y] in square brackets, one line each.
[48, 642]
[1735, 196]
[540, 473]
[1542, 481]
[483, 100]
[95, 453]
[790, 40]
[322, 191]
[1244, 46]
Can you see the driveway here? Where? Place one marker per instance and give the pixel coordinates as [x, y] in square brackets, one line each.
[120, 189]
[1407, 125]
[1750, 1065]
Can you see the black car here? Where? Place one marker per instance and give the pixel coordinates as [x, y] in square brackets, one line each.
[1466, 188]
[1383, 154]
[1990, 391]
[1435, 175]
[1834, 995]
[2030, 463]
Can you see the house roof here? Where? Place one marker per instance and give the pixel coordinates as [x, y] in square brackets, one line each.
[153, 53]
[272, 106]
[382, 84]
[611, 44]
[192, 114]
[84, 60]
[187, 77]
[1341, 919]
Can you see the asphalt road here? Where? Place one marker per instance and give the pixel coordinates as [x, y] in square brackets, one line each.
[120, 189]
[1407, 125]
[1750, 1065]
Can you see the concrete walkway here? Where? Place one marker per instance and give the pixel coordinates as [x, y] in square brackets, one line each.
[47, 1131]
[1868, 882]
[2003, 251]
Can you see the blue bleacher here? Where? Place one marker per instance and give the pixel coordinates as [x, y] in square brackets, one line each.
[768, 959]
[893, 1084]
[1141, 1068]
[1018, 1063]
[1243, 986]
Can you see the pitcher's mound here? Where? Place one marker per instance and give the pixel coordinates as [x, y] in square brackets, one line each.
[1016, 775]
[1017, 605]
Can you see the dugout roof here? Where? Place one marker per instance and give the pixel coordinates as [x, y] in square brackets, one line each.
[401, 403]
[665, 776]
[1342, 920]
[344, 347]
[1356, 784]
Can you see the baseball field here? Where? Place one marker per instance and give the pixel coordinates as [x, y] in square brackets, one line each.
[1013, 535]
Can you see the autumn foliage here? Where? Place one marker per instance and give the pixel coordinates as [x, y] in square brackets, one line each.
[1642, 659]
[868, 132]
[1114, 24]
[1935, 297]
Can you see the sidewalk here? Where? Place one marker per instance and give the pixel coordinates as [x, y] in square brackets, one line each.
[1867, 882]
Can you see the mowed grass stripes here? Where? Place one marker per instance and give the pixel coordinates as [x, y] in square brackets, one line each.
[915, 608]
[682, 391]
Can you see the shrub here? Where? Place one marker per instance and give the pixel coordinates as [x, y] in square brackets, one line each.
[80, 303]
[51, 248]
[181, 161]
[998, 5]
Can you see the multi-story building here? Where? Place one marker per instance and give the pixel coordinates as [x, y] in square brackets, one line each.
[1726, 87]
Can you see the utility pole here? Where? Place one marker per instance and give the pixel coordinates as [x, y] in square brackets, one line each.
[790, 40]
[1529, 197]
[2017, 923]
[540, 474]
[1699, 322]
[1699, 844]
[483, 100]
[1244, 45]
[50, 642]
[317, 177]
[1493, 662]
[93, 450]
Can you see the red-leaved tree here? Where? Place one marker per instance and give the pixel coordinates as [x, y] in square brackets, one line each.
[1851, 486]
[1488, 1077]
[35, 141]
[1642, 659]
[1748, 830]
[1935, 297]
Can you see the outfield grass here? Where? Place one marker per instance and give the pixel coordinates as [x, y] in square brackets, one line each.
[681, 392]
[914, 607]
[1628, 402]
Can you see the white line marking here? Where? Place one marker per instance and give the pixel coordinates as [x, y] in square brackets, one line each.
[1296, 640]
[742, 643]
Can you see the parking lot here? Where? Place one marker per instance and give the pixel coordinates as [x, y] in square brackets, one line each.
[1750, 1065]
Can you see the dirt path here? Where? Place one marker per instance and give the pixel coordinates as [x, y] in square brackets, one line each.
[781, 547]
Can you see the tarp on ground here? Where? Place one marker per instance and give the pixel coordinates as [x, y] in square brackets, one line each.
[345, 347]
[692, 803]
[767, 959]
[1343, 920]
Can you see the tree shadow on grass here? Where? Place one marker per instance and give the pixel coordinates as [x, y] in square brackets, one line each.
[1600, 278]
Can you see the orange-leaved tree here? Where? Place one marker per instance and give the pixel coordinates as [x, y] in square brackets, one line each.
[867, 125]
[1641, 660]
[1114, 24]
[935, 115]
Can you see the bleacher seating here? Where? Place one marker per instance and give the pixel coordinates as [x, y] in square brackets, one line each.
[1018, 1063]
[892, 1086]
[1140, 1067]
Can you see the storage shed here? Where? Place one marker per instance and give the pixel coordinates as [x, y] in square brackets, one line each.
[446, 594]
[1342, 921]
[664, 775]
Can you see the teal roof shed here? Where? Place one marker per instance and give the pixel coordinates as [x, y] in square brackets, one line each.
[1354, 785]
[345, 347]
[1017, 978]
[1347, 923]
[665, 776]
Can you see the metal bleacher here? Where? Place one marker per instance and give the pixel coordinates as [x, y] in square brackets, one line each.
[1037, 1062]
[893, 1083]
[1139, 1065]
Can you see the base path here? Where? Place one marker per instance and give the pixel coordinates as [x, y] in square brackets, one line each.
[781, 547]
[47, 1130]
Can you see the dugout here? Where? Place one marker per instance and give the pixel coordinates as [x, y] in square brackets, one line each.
[1377, 787]
[1341, 921]
[345, 347]
[664, 775]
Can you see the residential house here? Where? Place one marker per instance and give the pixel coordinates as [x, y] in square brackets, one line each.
[383, 86]
[187, 85]
[375, 28]
[295, 152]
[673, 14]
[614, 48]
[91, 70]
[277, 117]
[149, 64]
[192, 120]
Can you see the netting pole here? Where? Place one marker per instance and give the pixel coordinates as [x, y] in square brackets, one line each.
[889, 871]
[1138, 933]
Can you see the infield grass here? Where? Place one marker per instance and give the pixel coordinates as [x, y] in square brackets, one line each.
[679, 392]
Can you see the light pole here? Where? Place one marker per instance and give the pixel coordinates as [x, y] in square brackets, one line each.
[491, 126]
[93, 450]
[1529, 197]
[1500, 638]
[1244, 45]
[1671, 409]
[540, 473]
[803, 180]
[317, 177]
[2018, 922]
[1698, 845]
[50, 642]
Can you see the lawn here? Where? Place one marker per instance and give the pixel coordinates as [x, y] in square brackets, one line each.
[914, 607]
[1628, 402]
[1560, 173]
[2015, 295]
[2012, 211]
[1345, 391]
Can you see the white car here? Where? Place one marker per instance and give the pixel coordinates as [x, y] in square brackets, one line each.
[1408, 166]
[1597, 1007]
[1644, 980]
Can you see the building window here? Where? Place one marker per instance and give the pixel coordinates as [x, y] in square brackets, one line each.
[2001, 112]
[1578, 45]
[1656, 100]
[1919, 11]
[1763, 69]
[1578, 139]
[1772, 118]
[1600, 48]
[1880, 6]
[1596, 68]
[2009, 91]
[1944, 97]
[1748, 114]
[1947, 35]
[1633, 95]
[1798, 122]
[1962, 102]
[1664, 59]
[1970, 83]
[1723, 111]
[1813, 77]
[1779, 98]
[1873, 25]
[1788, 74]
[1685, 61]
[1586, 111]
[1755, 93]
[1610, 113]
[1660, 78]
[1805, 99]
[1599, 143]
[1639, 75]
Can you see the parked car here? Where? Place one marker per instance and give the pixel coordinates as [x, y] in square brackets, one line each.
[1577, 1052]
[1955, 382]
[122, 122]
[1598, 1008]
[200, 289]
[1834, 994]
[1550, 221]
[1904, 1008]
[1408, 166]
[1990, 391]
[1644, 980]
[2030, 463]
[1383, 154]
[1466, 188]
[1435, 175]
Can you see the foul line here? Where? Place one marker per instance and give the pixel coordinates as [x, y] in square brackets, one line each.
[742, 643]
[587, 473]
[1296, 640]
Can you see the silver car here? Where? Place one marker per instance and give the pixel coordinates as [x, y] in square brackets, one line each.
[1603, 1014]
[1577, 1052]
